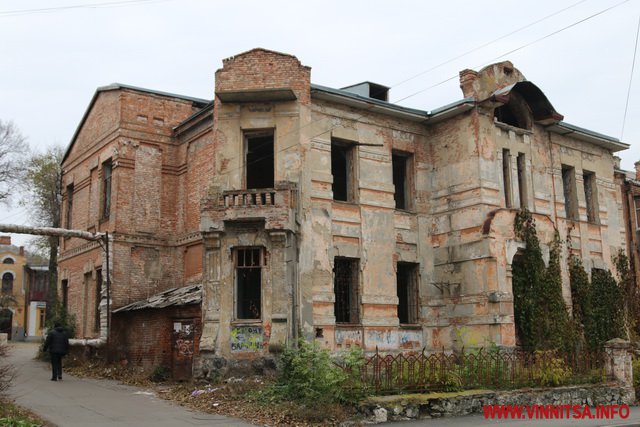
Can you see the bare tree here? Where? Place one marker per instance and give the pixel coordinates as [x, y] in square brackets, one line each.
[13, 149]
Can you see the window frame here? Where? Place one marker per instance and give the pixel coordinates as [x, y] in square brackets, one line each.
[353, 307]
[351, 169]
[236, 292]
[107, 187]
[412, 291]
[3, 281]
[408, 187]
[253, 134]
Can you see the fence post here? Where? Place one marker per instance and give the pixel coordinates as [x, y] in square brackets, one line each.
[618, 361]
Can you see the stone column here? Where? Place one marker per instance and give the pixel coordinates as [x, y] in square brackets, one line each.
[618, 361]
[211, 292]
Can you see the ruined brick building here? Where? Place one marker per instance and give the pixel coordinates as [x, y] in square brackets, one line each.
[283, 208]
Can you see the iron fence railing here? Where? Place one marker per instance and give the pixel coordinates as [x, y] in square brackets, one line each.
[479, 368]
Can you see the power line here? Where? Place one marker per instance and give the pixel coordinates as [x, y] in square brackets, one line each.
[633, 63]
[524, 46]
[77, 6]
[489, 43]
[439, 83]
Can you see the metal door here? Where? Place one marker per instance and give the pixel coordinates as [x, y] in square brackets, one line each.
[183, 345]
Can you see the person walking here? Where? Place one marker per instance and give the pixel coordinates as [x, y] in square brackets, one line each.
[58, 345]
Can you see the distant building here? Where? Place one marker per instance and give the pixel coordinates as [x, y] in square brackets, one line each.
[282, 208]
[27, 281]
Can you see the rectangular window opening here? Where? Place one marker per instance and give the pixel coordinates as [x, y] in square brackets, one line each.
[259, 160]
[249, 262]
[65, 294]
[591, 196]
[407, 286]
[343, 171]
[68, 223]
[522, 180]
[98, 298]
[345, 288]
[570, 194]
[636, 202]
[506, 175]
[401, 164]
[107, 169]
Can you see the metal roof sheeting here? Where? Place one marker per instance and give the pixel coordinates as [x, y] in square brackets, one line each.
[172, 297]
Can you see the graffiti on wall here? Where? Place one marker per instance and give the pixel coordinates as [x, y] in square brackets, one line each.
[246, 338]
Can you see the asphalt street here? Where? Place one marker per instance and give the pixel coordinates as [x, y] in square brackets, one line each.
[88, 402]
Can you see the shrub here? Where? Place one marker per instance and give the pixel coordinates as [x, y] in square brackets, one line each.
[550, 371]
[160, 374]
[309, 376]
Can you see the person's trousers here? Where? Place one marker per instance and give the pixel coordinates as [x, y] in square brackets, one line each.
[56, 366]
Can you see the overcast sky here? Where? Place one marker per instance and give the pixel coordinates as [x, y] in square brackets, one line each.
[51, 61]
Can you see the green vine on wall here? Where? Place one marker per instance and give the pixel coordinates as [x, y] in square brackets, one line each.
[541, 316]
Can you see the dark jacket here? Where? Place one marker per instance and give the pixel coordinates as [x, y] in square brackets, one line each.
[57, 341]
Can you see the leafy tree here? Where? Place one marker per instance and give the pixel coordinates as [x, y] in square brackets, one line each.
[43, 195]
[13, 149]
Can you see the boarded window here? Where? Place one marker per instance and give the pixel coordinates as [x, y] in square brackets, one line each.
[249, 263]
[343, 171]
[402, 180]
[7, 283]
[345, 287]
[591, 196]
[106, 188]
[259, 160]
[506, 177]
[570, 195]
[96, 325]
[68, 222]
[522, 180]
[407, 286]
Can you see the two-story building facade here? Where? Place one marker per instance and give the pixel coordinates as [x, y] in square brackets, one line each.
[330, 213]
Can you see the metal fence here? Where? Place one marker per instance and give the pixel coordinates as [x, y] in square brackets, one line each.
[480, 368]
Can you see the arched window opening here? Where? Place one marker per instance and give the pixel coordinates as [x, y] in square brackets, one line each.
[7, 283]
[8, 261]
[514, 113]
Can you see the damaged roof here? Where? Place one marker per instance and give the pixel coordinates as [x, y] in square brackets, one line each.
[172, 297]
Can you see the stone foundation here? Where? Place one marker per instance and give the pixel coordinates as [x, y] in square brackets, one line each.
[434, 405]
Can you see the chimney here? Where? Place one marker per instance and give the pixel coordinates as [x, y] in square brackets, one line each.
[5, 240]
[467, 77]
[637, 165]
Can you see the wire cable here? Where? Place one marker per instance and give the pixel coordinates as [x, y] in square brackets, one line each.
[633, 64]
[77, 6]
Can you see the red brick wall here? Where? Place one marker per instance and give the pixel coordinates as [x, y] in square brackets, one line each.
[144, 337]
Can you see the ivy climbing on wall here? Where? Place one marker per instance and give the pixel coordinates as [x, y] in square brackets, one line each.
[541, 316]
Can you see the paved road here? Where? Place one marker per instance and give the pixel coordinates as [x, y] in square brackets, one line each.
[86, 402]
[479, 420]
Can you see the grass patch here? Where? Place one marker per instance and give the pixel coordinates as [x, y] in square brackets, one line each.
[12, 415]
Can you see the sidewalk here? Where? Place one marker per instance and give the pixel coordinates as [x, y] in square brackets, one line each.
[88, 402]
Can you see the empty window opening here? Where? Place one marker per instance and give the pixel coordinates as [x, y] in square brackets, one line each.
[402, 180]
[7, 283]
[65, 294]
[106, 188]
[98, 298]
[407, 286]
[259, 160]
[69, 206]
[342, 169]
[570, 195]
[249, 263]
[522, 180]
[506, 176]
[591, 196]
[514, 113]
[8, 261]
[345, 287]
